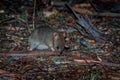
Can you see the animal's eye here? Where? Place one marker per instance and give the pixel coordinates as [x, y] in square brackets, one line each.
[57, 47]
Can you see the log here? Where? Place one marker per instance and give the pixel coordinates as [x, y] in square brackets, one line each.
[51, 53]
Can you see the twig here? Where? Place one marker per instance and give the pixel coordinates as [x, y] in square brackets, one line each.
[5, 73]
[8, 19]
[34, 14]
[84, 62]
[106, 14]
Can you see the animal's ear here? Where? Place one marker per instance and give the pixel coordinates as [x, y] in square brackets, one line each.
[64, 33]
[55, 36]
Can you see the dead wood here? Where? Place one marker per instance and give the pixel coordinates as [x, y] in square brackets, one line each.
[91, 62]
[51, 53]
[105, 14]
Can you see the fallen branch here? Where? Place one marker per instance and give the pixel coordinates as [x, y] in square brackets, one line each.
[33, 53]
[36, 53]
[51, 53]
[85, 62]
[106, 14]
[86, 24]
